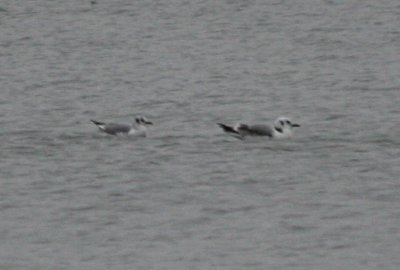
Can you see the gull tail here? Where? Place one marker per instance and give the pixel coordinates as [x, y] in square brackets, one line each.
[97, 123]
[100, 125]
[228, 129]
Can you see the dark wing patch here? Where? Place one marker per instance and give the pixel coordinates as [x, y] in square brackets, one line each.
[97, 122]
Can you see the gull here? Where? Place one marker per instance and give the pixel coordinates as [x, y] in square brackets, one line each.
[138, 128]
[282, 129]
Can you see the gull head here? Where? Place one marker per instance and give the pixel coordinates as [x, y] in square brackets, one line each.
[284, 125]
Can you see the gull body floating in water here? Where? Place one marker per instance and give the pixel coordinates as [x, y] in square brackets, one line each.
[282, 129]
[138, 128]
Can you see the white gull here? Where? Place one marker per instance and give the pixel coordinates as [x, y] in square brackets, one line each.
[138, 128]
[282, 129]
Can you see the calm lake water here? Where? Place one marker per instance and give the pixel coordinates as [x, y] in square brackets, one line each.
[188, 196]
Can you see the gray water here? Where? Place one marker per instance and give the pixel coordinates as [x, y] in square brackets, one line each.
[188, 196]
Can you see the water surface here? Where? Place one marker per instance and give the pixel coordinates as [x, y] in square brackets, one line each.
[187, 196]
